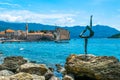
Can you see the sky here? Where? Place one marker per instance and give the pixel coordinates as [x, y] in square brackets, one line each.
[62, 12]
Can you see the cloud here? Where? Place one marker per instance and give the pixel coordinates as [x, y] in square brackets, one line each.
[9, 4]
[61, 19]
[69, 21]
[28, 16]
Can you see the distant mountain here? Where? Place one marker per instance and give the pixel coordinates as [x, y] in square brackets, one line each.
[21, 26]
[100, 30]
[115, 36]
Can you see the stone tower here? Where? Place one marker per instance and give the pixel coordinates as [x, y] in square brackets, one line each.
[26, 30]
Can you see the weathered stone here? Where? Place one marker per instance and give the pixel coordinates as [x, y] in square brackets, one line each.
[68, 77]
[60, 69]
[54, 78]
[16, 59]
[51, 69]
[4, 78]
[48, 75]
[12, 63]
[21, 76]
[93, 68]
[38, 69]
[6, 73]
[36, 77]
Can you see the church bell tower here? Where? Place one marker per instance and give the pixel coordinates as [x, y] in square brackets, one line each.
[26, 30]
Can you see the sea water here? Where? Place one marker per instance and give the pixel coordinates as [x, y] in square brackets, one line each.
[51, 53]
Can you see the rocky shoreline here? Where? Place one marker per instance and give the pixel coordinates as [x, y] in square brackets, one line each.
[76, 68]
[18, 68]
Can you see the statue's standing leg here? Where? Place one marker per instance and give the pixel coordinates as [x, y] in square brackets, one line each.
[85, 45]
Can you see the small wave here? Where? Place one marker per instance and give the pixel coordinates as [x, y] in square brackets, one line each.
[21, 49]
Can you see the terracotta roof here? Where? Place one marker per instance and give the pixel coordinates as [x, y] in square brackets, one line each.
[49, 34]
[35, 33]
[2, 32]
[10, 31]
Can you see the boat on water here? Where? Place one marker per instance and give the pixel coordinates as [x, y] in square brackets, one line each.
[62, 35]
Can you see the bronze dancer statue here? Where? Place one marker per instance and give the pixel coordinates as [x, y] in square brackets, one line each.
[87, 36]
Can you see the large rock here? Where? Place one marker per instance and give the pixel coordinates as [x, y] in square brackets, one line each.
[16, 59]
[93, 68]
[39, 69]
[36, 77]
[6, 73]
[54, 78]
[4, 78]
[26, 76]
[21, 76]
[68, 77]
[12, 63]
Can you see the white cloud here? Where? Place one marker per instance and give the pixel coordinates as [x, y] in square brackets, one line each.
[69, 21]
[28, 16]
[9, 4]
[62, 19]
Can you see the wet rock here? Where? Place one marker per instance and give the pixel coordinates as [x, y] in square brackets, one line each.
[51, 69]
[1, 53]
[33, 61]
[60, 69]
[6, 73]
[68, 77]
[12, 63]
[48, 75]
[93, 68]
[38, 69]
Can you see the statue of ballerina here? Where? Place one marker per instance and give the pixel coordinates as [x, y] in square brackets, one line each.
[87, 36]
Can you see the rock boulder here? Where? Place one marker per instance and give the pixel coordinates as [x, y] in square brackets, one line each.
[32, 68]
[6, 73]
[26, 76]
[93, 68]
[12, 63]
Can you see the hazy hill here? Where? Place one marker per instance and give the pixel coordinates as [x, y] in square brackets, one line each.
[21, 26]
[115, 36]
[100, 30]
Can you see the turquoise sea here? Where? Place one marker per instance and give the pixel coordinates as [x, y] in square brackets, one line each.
[52, 53]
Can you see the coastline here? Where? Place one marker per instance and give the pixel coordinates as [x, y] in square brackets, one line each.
[13, 40]
[75, 68]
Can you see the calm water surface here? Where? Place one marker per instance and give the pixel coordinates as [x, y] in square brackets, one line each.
[52, 53]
